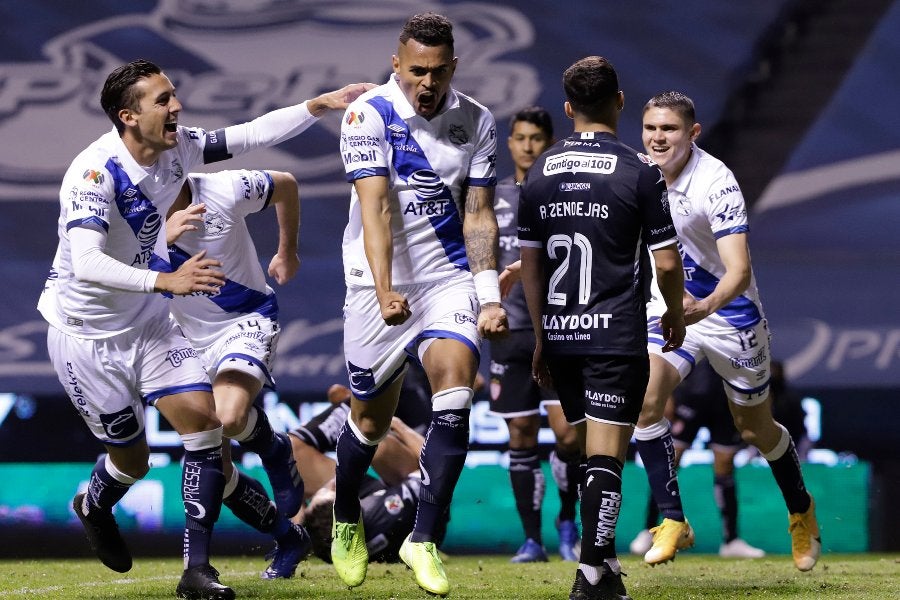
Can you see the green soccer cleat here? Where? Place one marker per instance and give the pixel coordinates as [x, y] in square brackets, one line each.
[348, 552]
[424, 560]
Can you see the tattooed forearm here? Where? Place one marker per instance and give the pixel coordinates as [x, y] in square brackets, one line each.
[480, 229]
[481, 248]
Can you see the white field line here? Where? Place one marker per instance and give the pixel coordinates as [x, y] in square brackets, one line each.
[43, 591]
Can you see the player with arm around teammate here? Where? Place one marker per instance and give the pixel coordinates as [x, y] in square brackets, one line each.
[110, 339]
[722, 306]
[589, 208]
[418, 153]
[235, 332]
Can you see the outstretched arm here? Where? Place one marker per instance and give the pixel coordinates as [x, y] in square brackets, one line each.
[481, 236]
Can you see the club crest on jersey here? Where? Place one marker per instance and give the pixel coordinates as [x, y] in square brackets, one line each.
[95, 177]
[458, 135]
[213, 223]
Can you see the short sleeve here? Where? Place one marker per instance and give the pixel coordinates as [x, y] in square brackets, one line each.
[87, 196]
[363, 145]
[653, 199]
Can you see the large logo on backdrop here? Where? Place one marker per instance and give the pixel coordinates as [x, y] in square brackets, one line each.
[232, 60]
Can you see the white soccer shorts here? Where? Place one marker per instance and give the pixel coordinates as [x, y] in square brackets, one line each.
[248, 346]
[376, 353]
[740, 357]
[108, 380]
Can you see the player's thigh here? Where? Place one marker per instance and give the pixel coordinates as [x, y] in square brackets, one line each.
[247, 345]
[741, 357]
[172, 377]
[449, 323]
[375, 353]
[513, 390]
[100, 379]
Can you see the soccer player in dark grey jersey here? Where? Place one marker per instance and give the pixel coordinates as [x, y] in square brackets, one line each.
[515, 397]
[589, 208]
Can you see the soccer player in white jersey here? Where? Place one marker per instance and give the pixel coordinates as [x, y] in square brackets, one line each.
[722, 307]
[235, 332]
[110, 338]
[418, 154]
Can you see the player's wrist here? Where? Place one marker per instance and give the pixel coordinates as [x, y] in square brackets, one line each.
[487, 287]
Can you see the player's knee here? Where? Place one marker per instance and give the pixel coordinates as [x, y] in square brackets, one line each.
[523, 431]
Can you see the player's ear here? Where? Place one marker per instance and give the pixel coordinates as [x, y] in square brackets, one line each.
[695, 131]
[395, 63]
[568, 109]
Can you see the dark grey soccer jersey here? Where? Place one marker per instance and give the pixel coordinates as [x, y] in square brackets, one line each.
[592, 204]
[506, 207]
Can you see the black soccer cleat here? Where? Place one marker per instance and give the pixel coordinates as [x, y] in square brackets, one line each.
[202, 583]
[610, 587]
[103, 535]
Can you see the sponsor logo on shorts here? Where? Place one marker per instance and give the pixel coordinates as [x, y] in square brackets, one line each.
[463, 318]
[360, 379]
[177, 356]
[750, 362]
[120, 425]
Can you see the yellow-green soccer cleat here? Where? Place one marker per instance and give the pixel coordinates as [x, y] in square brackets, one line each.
[348, 552]
[806, 545]
[668, 538]
[424, 560]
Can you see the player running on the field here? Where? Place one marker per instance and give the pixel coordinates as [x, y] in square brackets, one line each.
[235, 332]
[418, 152]
[110, 338]
[700, 401]
[515, 397]
[589, 211]
[727, 325]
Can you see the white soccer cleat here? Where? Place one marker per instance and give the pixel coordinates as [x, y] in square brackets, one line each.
[738, 548]
[641, 542]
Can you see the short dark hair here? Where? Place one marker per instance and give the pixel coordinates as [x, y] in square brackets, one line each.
[429, 29]
[676, 101]
[592, 86]
[118, 91]
[537, 116]
[318, 519]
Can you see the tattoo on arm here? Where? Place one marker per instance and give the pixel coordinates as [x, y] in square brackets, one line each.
[480, 229]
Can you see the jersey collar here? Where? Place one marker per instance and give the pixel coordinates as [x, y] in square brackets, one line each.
[684, 178]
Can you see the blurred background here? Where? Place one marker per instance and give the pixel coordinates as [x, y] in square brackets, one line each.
[798, 97]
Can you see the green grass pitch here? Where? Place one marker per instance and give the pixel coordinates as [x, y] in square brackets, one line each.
[691, 576]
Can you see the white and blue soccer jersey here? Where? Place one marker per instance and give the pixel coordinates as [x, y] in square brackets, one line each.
[429, 164]
[107, 190]
[706, 204]
[229, 197]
